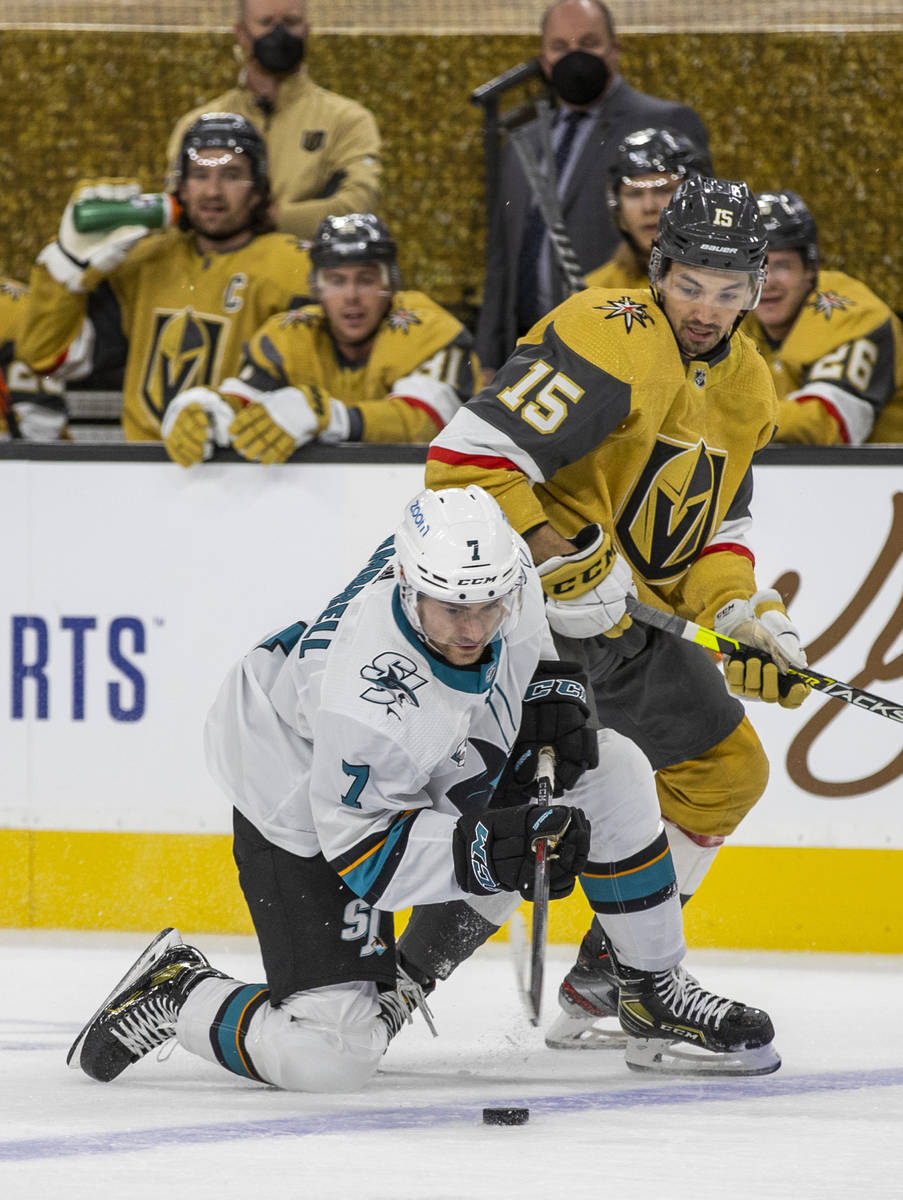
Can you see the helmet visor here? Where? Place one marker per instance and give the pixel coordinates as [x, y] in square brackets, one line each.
[465, 629]
[687, 283]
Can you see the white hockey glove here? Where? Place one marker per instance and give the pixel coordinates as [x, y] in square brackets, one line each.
[339, 427]
[587, 591]
[196, 421]
[761, 622]
[73, 253]
[271, 429]
[39, 422]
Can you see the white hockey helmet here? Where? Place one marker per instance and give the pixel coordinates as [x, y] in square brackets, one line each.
[456, 545]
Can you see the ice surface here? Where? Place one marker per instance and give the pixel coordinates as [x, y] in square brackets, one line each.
[828, 1124]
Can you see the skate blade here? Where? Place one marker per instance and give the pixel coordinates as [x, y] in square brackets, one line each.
[161, 943]
[681, 1058]
[578, 1033]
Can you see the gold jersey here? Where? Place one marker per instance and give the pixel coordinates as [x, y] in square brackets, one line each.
[421, 368]
[185, 315]
[597, 418]
[839, 371]
[621, 271]
[19, 385]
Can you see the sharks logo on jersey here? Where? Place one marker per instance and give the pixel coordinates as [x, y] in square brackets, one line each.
[394, 678]
[667, 518]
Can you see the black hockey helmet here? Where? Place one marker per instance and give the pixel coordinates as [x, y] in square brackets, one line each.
[236, 133]
[789, 225]
[231, 131]
[653, 152]
[712, 223]
[355, 238]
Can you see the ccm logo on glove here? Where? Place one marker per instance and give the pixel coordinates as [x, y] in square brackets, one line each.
[567, 689]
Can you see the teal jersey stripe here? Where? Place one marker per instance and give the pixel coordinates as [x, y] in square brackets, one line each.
[362, 878]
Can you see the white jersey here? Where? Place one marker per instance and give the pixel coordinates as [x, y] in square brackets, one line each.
[347, 737]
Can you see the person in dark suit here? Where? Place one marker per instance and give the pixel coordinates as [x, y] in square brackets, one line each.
[596, 109]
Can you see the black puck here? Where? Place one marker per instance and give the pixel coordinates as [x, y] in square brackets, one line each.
[506, 1116]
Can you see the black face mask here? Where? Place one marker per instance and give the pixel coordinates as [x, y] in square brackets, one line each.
[279, 51]
[580, 77]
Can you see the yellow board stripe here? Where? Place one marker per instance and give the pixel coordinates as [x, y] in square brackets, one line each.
[754, 897]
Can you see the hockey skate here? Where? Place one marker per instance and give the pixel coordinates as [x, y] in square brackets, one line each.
[397, 1005]
[588, 999]
[140, 1012]
[677, 1026]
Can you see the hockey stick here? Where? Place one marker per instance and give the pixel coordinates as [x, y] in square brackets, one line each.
[545, 782]
[832, 688]
[545, 191]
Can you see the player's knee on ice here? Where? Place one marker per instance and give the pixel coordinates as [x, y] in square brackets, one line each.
[323, 1040]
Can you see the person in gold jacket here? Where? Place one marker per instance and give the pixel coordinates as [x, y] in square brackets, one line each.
[368, 362]
[324, 149]
[189, 297]
[834, 348]
[647, 169]
[619, 440]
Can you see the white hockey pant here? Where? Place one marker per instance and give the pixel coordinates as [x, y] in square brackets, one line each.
[326, 1039]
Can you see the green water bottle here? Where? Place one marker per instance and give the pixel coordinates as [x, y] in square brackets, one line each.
[156, 210]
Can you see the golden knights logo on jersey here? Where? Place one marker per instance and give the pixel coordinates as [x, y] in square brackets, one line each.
[184, 352]
[394, 678]
[630, 310]
[667, 518]
[826, 303]
[298, 316]
[403, 319]
[15, 291]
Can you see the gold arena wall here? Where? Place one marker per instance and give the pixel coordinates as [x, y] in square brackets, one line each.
[754, 897]
[814, 111]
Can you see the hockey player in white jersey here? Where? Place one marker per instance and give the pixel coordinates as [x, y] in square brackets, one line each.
[360, 753]
[383, 757]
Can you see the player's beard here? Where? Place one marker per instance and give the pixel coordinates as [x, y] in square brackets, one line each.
[222, 233]
[223, 224]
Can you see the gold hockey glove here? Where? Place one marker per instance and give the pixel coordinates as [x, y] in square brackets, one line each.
[195, 421]
[771, 644]
[587, 591]
[271, 429]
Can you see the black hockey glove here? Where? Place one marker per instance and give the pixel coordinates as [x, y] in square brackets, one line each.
[495, 850]
[554, 713]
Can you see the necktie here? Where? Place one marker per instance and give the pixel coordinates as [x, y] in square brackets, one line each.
[534, 232]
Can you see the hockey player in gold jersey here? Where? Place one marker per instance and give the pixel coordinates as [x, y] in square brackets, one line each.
[190, 296]
[648, 167]
[31, 406]
[367, 363]
[619, 440]
[323, 148]
[834, 348]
